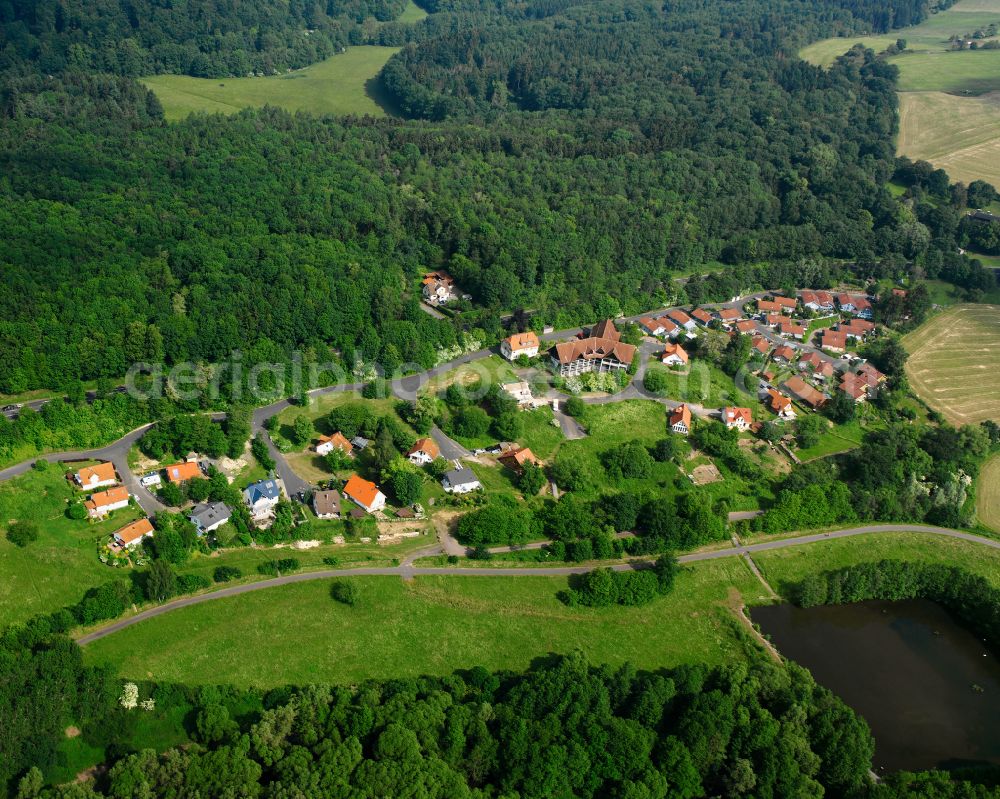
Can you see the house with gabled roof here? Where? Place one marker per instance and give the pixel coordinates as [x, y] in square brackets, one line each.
[210, 516]
[785, 354]
[817, 300]
[98, 476]
[327, 444]
[856, 328]
[104, 502]
[423, 451]
[364, 493]
[701, 316]
[791, 329]
[833, 340]
[517, 459]
[746, 326]
[674, 355]
[513, 347]
[438, 287]
[800, 389]
[131, 535]
[810, 361]
[780, 404]
[262, 497]
[786, 304]
[729, 316]
[326, 504]
[856, 304]
[680, 420]
[681, 319]
[737, 418]
[652, 327]
[182, 472]
[460, 481]
[768, 307]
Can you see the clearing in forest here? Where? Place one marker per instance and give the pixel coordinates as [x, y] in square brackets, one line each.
[954, 363]
[988, 494]
[342, 84]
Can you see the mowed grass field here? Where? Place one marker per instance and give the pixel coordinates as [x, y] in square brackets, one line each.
[342, 84]
[988, 494]
[954, 363]
[430, 625]
[949, 100]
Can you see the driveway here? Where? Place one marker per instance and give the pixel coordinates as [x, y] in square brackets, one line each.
[450, 449]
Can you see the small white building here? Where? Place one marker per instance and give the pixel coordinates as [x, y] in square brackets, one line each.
[460, 481]
[151, 480]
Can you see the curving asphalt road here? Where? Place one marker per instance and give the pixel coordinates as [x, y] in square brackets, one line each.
[407, 570]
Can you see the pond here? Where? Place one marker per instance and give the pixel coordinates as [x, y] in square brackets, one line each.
[927, 687]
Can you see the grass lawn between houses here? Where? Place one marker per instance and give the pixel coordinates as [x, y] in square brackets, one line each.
[434, 625]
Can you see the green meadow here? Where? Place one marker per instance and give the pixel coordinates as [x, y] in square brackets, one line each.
[342, 84]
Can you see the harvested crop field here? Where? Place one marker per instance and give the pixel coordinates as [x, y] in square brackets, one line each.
[954, 363]
[988, 494]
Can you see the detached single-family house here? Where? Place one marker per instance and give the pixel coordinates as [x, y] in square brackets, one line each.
[737, 418]
[520, 391]
[262, 497]
[513, 347]
[857, 328]
[181, 472]
[99, 476]
[872, 376]
[674, 355]
[680, 420]
[327, 444]
[817, 300]
[729, 316]
[746, 327]
[780, 404]
[854, 387]
[602, 351]
[326, 504]
[805, 393]
[855, 304]
[768, 307]
[132, 534]
[762, 345]
[833, 340]
[460, 481]
[670, 327]
[824, 371]
[681, 319]
[210, 516]
[423, 451]
[364, 493]
[701, 316]
[103, 502]
[810, 361]
[438, 287]
[786, 304]
[785, 354]
[863, 383]
[791, 329]
[516, 459]
[652, 327]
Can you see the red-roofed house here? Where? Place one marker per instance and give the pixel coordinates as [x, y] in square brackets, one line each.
[810, 361]
[833, 340]
[91, 477]
[767, 306]
[745, 326]
[180, 472]
[364, 493]
[785, 354]
[131, 535]
[423, 451]
[513, 347]
[681, 319]
[327, 444]
[674, 355]
[780, 404]
[857, 328]
[806, 393]
[595, 353]
[680, 420]
[787, 304]
[817, 300]
[103, 502]
[791, 329]
[701, 316]
[652, 327]
[517, 459]
[737, 418]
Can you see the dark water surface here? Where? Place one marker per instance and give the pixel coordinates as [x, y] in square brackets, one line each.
[926, 686]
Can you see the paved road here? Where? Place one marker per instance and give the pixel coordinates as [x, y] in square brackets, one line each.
[450, 449]
[407, 570]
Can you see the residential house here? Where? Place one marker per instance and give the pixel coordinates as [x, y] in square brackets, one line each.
[816, 300]
[737, 418]
[670, 327]
[99, 476]
[786, 304]
[680, 420]
[824, 371]
[460, 481]
[785, 354]
[132, 534]
[810, 361]
[516, 459]
[602, 351]
[674, 355]
[863, 383]
[364, 493]
[652, 327]
[701, 316]
[423, 451]
[791, 329]
[210, 516]
[520, 391]
[780, 404]
[182, 472]
[857, 328]
[262, 497]
[854, 388]
[872, 376]
[855, 304]
[729, 316]
[103, 502]
[761, 345]
[438, 287]
[326, 504]
[746, 326]
[833, 340]
[774, 319]
[513, 347]
[768, 307]
[327, 444]
[799, 388]
[681, 319]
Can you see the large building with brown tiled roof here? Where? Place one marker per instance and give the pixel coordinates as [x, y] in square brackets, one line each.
[602, 351]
